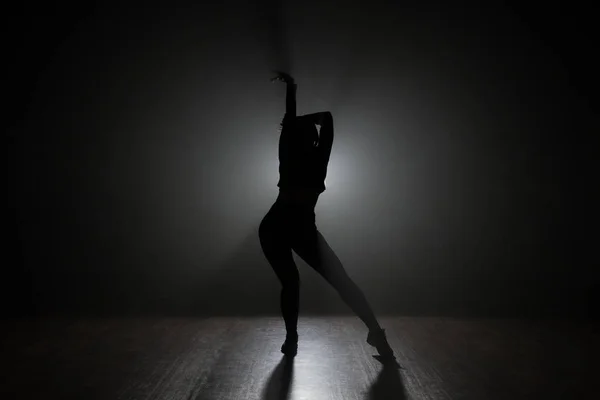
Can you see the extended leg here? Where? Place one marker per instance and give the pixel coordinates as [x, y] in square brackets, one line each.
[312, 247]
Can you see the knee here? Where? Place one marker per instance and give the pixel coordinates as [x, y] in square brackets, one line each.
[291, 282]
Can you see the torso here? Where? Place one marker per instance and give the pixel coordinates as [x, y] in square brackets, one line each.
[299, 196]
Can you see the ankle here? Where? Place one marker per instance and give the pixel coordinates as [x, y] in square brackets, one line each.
[376, 330]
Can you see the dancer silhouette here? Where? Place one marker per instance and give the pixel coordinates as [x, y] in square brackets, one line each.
[290, 223]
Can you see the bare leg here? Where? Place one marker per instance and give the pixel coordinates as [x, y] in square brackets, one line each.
[312, 247]
[279, 254]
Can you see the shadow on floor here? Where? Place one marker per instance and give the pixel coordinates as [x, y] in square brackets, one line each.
[280, 382]
[388, 384]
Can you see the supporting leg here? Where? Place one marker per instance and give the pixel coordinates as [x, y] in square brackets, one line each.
[279, 255]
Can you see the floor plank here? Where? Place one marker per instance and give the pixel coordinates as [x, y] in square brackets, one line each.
[238, 358]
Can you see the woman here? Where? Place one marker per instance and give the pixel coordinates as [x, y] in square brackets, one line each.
[290, 223]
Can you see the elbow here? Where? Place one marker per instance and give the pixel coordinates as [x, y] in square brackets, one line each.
[326, 118]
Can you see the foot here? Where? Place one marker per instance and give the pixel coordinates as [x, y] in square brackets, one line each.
[377, 338]
[290, 346]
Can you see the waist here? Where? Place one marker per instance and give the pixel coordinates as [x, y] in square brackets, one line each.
[299, 196]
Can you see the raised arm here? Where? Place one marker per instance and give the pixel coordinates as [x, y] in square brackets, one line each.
[290, 100]
[290, 95]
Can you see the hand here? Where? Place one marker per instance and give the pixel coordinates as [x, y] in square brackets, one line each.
[282, 77]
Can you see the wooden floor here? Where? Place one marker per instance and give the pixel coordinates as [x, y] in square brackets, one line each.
[239, 358]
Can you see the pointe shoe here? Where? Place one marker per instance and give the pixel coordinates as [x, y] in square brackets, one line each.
[378, 339]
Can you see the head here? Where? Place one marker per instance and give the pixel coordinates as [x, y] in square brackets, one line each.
[305, 133]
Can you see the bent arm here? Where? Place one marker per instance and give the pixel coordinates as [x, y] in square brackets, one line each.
[318, 118]
[326, 135]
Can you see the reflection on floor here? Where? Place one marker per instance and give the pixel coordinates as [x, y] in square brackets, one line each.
[239, 358]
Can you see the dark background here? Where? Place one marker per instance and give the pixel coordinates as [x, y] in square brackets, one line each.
[141, 155]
